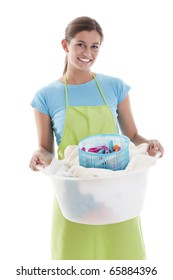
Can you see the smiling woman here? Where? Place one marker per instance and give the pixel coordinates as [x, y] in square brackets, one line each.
[82, 52]
[91, 37]
[79, 104]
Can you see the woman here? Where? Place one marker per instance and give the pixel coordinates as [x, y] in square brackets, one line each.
[79, 104]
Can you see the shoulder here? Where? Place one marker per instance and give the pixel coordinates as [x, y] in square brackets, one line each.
[50, 92]
[48, 97]
[111, 80]
[51, 88]
[113, 84]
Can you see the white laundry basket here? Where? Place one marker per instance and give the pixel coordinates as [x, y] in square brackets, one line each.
[98, 201]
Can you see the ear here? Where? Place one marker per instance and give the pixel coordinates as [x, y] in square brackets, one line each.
[64, 45]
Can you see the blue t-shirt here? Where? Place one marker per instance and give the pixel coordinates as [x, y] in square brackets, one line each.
[51, 99]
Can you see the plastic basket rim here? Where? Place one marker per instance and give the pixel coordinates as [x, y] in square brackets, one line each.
[106, 134]
[111, 176]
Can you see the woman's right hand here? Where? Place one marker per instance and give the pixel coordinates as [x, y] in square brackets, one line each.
[45, 153]
[41, 158]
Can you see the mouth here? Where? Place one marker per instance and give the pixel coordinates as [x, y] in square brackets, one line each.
[86, 60]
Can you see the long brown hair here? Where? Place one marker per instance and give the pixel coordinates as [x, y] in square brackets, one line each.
[81, 24]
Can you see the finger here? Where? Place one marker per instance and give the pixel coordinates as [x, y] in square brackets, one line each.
[33, 167]
[152, 152]
[35, 162]
[161, 149]
[158, 148]
[154, 148]
[155, 145]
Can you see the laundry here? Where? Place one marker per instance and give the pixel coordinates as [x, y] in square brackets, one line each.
[97, 196]
[103, 149]
[69, 166]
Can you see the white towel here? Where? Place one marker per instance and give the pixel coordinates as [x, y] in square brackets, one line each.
[69, 166]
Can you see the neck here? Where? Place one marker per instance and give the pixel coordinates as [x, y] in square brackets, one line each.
[78, 78]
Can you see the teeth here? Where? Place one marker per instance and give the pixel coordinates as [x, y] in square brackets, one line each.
[84, 59]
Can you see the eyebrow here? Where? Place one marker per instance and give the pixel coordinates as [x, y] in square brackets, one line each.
[80, 41]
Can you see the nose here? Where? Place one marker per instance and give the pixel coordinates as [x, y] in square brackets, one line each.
[87, 52]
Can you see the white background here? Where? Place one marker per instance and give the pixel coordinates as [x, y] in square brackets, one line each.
[138, 49]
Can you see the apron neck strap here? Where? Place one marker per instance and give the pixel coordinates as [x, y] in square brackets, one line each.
[66, 91]
[99, 88]
[101, 92]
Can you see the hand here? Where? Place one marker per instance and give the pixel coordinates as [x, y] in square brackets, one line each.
[155, 147]
[42, 158]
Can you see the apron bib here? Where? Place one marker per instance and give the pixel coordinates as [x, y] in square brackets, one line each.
[73, 241]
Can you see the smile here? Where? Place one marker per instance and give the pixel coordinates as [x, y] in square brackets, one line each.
[84, 59]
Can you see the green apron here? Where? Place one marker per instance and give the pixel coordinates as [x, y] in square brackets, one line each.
[74, 241]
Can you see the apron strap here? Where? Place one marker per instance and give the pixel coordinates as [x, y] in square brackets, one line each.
[99, 88]
[101, 92]
[66, 91]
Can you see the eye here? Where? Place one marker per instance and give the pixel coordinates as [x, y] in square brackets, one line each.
[81, 45]
[95, 47]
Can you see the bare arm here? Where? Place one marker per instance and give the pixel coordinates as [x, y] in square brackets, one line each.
[128, 128]
[45, 152]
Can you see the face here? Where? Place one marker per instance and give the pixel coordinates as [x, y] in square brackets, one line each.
[83, 49]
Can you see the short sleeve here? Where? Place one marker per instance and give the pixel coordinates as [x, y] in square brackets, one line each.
[40, 103]
[123, 90]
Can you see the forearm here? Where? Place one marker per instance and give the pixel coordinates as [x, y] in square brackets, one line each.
[138, 139]
[47, 151]
[154, 146]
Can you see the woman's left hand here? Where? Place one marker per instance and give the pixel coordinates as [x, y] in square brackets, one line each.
[155, 147]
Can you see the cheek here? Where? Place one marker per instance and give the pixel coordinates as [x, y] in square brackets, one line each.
[95, 54]
[71, 56]
[74, 55]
